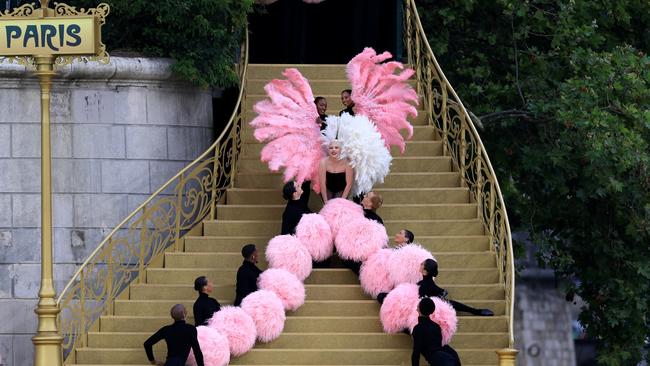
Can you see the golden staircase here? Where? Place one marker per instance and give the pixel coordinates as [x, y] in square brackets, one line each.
[452, 204]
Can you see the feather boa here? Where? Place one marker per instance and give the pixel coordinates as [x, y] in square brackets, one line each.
[364, 148]
[381, 95]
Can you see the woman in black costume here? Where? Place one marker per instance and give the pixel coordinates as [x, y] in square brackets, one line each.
[204, 306]
[336, 175]
[428, 288]
[321, 107]
[296, 206]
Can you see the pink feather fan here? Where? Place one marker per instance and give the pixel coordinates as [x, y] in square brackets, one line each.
[237, 326]
[315, 234]
[400, 308]
[383, 96]
[286, 285]
[374, 275]
[287, 123]
[267, 311]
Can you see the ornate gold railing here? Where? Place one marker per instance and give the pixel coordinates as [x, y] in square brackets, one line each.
[155, 226]
[463, 144]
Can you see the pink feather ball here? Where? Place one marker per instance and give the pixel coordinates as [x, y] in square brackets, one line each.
[360, 238]
[399, 310]
[339, 211]
[214, 347]
[286, 252]
[285, 285]
[374, 276]
[237, 326]
[445, 317]
[267, 312]
[315, 234]
[404, 265]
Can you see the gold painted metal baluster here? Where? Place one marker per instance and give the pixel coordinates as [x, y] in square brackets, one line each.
[179, 211]
[215, 178]
[461, 158]
[478, 193]
[143, 237]
[491, 212]
[82, 306]
[109, 276]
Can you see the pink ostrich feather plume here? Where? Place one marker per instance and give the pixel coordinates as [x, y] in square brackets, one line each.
[374, 276]
[445, 317]
[289, 289]
[286, 252]
[287, 123]
[267, 311]
[214, 347]
[237, 326]
[315, 234]
[382, 95]
[339, 211]
[360, 238]
[404, 265]
[400, 308]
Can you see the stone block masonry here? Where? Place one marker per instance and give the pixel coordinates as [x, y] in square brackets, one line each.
[119, 131]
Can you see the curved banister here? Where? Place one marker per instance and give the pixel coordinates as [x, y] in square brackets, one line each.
[152, 228]
[463, 144]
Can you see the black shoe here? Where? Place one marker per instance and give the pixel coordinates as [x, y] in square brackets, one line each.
[485, 312]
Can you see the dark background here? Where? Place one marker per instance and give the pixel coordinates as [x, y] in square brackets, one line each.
[332, 32]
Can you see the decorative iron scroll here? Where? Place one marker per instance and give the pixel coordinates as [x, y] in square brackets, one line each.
[463, 144]
[156, 226]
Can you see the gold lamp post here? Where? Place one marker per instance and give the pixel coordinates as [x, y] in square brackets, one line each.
[45, 37]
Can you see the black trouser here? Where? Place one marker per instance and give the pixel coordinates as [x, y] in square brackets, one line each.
[175, 361]
[459, 306]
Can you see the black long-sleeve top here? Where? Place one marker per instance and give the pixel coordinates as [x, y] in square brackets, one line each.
[180, 337]
[372, 215]
[246, 280]
[427, 287]
[203, 309]
[348, 110]
[292, 215]
[427, 340]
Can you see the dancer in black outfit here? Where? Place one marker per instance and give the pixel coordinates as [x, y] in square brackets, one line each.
[371, 202]
[247, 274]
[427, 339]
[204, 306]
[296, 207]
[321, 107]
[180, 337]
[346, 99]
[428, 287]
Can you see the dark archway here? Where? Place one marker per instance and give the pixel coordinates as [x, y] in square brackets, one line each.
[332, 32]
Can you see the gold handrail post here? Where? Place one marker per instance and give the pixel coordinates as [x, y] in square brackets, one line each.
[47, 341]
[179, 210]
[507, 356]
[492, 216]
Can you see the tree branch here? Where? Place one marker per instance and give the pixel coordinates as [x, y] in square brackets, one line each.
[514, 42]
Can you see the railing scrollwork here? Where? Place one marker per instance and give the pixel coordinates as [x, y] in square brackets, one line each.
[157, 225]
[462, 143]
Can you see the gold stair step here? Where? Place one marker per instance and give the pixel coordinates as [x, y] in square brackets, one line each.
[394, 180]
[114, 323]
[462, 293]
[420, 133]
[413, 148]
[422, 119]
[399, 164]
[308, 340]
[265, 196]
[419, 227]
[309, 71]
[319, 87]
[222, 243]
[319, 276]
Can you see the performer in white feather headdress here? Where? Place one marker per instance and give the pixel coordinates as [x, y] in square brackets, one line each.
[383, 101]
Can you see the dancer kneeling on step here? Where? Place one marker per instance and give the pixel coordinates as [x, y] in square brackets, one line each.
[428, 287]
[180, 337]
[371, 202]
[297, 197]
[204, 306]
[427, 339]
[335, 174]
[247, 274]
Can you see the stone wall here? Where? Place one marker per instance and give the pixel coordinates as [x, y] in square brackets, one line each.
[119, 132]
[543, 318]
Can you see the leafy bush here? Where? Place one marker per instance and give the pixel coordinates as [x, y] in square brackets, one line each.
[563, 90]
[202, 36]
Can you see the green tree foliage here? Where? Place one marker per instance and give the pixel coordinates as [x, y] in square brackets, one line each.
[562, 89]
[202, 36]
